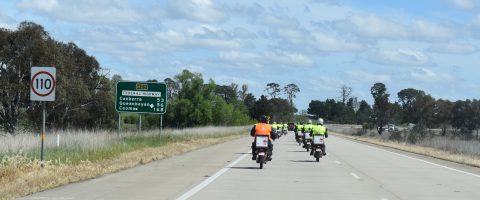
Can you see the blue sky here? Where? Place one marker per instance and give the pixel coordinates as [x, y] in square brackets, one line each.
[319, 45]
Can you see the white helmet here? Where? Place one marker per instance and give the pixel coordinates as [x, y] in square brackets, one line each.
[320, 121]
[274, 122]
[309, 121]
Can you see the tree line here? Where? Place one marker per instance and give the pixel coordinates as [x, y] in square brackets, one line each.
[85, 94]
[412, 107]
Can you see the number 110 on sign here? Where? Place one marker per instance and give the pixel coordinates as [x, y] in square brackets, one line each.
[42, 84]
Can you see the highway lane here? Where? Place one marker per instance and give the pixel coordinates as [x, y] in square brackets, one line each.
[163, 179]
[350, 171]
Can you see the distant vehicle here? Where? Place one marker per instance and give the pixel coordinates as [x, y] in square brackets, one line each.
[390, 128]
[291, 126]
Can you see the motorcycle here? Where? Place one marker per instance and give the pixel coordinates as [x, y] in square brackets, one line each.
[279, 133]
[308, 141]
[318, 144]
[262, 150]
[299, 138]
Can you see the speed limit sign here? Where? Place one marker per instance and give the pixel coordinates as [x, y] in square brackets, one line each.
[43, 83]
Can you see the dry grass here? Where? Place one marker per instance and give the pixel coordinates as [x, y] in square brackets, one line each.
[427, 151]
[20, 175]
[92, 140]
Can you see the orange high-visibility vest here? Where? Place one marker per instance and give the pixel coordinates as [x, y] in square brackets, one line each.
[263, 129]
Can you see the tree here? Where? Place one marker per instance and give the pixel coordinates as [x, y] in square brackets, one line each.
[417, 107]
[463, 118]
[262, 107]
[19, 51]
[249, 102]
[363, 113]
[443, 114]
[291, 90]
[173, 88]
[243, 92]
[318, 108]
[227, 92]
[381, 110]
[345, 93]
[116, 78]
[273, 89]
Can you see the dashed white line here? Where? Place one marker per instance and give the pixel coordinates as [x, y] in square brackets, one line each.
[384, 199]
[355, 176]
[210, 179]
[338, 162]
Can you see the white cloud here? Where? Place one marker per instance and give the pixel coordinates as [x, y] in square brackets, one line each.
[362, 76]
[281, 21]
[44, 5]
[452, 48]
[268, 59]
[118, 12]
[427, 75]
[325, 42]
[195, 10]
[6, 21]
[237, 56]
[322, 84]
[377, 27]
[373, 26]
[425, 30]
[400, 56]
[289, 58]
[464, 4]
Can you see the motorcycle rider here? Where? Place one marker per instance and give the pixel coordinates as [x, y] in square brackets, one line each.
[264, 129]
[319, 129]
[275, 127]
[306, 129]
[298, 128]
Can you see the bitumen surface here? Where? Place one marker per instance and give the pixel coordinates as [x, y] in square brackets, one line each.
[350, 171]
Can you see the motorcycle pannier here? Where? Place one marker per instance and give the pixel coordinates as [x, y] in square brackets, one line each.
[262, 141]
[318, 139]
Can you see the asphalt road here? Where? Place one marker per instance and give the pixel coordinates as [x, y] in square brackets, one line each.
[351, 170]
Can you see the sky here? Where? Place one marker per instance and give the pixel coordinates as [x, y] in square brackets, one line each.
[320, 45]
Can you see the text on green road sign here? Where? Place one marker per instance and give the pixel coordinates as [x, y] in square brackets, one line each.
[142, 86]
[143, 97]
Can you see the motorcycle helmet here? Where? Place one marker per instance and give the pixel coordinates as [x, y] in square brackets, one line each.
[320, 121]
[263, 119]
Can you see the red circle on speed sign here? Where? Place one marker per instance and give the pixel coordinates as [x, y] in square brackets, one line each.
[49, 90]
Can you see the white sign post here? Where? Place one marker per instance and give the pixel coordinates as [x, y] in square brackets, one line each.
[42, 88]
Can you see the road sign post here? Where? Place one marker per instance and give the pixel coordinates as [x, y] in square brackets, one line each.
[42, 88]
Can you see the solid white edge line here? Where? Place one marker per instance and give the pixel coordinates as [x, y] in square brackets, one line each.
[355, 176]
[435, 164]
[210, 179]
[428, 162]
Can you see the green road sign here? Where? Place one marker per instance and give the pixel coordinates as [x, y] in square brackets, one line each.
[141, 97]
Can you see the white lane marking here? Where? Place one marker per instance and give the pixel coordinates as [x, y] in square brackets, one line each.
[384, 199]
[431, 163]
[338, 162]
[210, 179]
[355, 176]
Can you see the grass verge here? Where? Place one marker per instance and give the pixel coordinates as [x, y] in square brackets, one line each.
[427, 151]
[21, 174]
